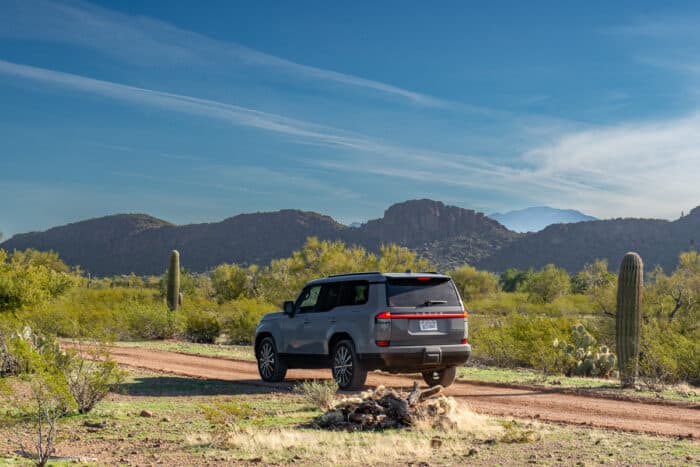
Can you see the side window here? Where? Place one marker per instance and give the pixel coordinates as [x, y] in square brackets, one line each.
[354, 293]
[329, 297]
[308, 299]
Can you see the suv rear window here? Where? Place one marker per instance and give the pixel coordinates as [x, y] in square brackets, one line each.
[416, 292]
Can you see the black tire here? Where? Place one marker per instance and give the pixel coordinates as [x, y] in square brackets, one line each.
[348, 372]
[270, 365]
[444, 377]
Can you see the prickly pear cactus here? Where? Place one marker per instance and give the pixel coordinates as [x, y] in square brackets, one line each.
[629, 316]
[173, 294]
[587, 359]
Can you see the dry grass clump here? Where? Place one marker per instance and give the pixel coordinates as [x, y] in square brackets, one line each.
[325, 447]
[319, 394]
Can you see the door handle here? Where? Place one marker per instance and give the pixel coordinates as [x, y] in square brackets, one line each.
[306, 321]
[331, 320]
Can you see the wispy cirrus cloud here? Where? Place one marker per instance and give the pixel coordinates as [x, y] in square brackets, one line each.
[139, 39]
[635, 168]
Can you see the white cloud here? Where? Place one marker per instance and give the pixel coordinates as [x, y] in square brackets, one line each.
[643, 169]
[139, 39]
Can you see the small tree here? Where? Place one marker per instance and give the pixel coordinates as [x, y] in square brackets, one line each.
[547, 284]
[473, 284]
[90, 374]
[512, 280]
[229, 281]
[39, 413]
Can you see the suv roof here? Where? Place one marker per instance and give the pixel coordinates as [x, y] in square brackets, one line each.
[374, 276]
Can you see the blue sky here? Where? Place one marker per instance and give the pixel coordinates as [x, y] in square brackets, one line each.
[194, 113]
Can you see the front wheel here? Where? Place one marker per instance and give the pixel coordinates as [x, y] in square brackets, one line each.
[270, 365]
[348, 372]
[444, 377]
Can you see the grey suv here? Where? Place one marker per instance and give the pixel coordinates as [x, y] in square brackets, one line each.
[353, 323]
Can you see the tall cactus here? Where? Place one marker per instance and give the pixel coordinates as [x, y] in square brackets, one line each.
[629, 316]
[174, 298]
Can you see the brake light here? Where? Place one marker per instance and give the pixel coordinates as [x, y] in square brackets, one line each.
[382, 343]
[383, 315]
[427, 315]
[423, 278]
[464, 341]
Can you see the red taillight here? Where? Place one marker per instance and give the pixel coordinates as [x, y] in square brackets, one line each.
[383, 315]
[464, 341]
[428, 315]
[423, 278]
[382, 343]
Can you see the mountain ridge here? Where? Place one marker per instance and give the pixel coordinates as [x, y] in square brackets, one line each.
[138, 243]
[449, 236]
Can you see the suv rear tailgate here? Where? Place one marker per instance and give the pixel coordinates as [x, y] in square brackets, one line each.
[424, 311]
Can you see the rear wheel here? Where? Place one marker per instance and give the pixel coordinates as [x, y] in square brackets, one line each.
[270, 365]
[444, 377]
[348, 372]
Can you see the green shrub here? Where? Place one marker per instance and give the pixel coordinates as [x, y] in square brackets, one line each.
[547, 284]
[90, 374]
[518, 340]
[152, 321]
[668, 356]
[473, 284]
[240, 318]
[202, 326]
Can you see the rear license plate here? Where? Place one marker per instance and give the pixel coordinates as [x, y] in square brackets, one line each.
[427, 325]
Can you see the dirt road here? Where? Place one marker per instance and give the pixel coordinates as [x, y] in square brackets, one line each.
[546, 405]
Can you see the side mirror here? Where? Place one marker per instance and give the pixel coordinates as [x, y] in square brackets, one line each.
[289, 308]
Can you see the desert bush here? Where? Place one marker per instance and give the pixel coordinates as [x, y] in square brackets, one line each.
[517, 432]
[240, 317]
[202, 326]
[520, 341]
[152, 321]
[512, 280]
[29, 278]
[545, 285]
[90, 374]
[668, 356]
[473, 284]
[229, 282]
[319, 394]
[225, 418]
[38, 413]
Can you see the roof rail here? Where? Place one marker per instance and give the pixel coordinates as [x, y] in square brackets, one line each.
[354, 274]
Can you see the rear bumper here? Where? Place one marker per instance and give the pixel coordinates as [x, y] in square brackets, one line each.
[416, 358]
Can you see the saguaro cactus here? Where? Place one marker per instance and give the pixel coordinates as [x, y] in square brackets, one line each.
[629, 316]
[174, 299]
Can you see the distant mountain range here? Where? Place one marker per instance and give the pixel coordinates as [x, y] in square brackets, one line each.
[447, 235]
[537, 218]
[139, 243]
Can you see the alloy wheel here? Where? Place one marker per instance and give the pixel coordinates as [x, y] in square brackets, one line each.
[266, 360]
[342, 366]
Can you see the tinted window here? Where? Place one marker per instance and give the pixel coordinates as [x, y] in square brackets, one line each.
[329, 297]
[354, 293]
[308, 299]
[414, 292]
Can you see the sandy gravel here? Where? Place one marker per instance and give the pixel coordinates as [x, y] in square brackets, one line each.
[546, 405]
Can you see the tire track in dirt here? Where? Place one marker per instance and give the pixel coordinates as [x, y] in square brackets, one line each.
[545, 405]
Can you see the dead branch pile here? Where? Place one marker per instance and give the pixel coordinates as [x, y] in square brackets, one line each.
[383, 408]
